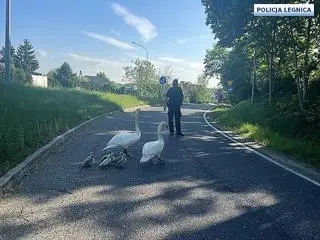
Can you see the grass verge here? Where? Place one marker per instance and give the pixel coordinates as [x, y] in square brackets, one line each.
[263, 125]
[31, 117]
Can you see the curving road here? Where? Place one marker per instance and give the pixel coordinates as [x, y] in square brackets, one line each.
[210, 188]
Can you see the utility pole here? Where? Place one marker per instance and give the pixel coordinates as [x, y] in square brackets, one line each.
[143, 48]
[8, 45]
[146, 52]
[253, 79]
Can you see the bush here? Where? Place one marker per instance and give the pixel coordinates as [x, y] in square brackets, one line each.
[18, 76]
[21, 77]
[281, 126]
[200, 95]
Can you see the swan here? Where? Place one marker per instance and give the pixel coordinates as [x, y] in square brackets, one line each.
[126, 139]
[111, 160]
[106, 160]
[154, 148]
[88, 161]
[120, 161]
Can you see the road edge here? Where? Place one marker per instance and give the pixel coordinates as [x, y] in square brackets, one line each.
[293, 168]
[14, 176]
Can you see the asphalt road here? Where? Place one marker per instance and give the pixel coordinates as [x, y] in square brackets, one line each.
[210, 188]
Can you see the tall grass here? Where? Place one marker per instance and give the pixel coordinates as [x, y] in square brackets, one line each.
[263, 124]
[30, 117]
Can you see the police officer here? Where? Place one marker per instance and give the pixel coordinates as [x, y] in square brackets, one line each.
[174, 102]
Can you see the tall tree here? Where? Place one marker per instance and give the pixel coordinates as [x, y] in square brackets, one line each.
[214, 60]
[103, 75]
[26, 57]
[108, 85]
[64, 76]
[285, 47]
[201, 93]
[144, 75]
[2, 55]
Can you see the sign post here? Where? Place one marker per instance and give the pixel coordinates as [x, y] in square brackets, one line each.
[230, 89]
[7, 66]
[163, 81]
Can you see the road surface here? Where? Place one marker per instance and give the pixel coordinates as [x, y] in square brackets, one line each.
[210, 188]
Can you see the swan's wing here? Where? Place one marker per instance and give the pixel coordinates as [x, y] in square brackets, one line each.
[106, 162]
[152, 149]
[134, 138]
[123, 139]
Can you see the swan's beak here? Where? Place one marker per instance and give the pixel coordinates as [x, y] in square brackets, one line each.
[165, 129]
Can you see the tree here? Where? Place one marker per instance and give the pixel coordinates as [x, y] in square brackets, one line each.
[204, 92]
[19, 76]
[214, 60]
[63, 76]
[2, 61]
[26, 58]
[144, 75]
[103, 76]
[201, 93]
[167, 72]
[108, 85]
[52, 78]
[285, 47]
[228, 19]
[2, 55]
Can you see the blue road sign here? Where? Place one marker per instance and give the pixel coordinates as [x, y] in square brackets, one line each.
[163, 80]
[230, 90]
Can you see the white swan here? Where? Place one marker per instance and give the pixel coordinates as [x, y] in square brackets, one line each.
[115, 161]
[120, 161]
[106, 160]
[154, 148]
[88, 161]
[126, 139]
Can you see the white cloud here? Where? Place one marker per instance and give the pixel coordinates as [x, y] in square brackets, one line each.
[114, 32]
[183, 41]
[182, 69]
[42, 53]
[143, 26]
[92, 65]
[204, 37]
[194, 39]
[196, 65]
[172, 60]
[93, 60]
[134, 56]
[110, 40]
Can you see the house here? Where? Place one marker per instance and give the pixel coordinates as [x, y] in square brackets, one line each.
[40, 81]
[94, 82]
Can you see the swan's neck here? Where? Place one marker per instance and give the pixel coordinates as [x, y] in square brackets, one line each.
[160, 137]
[138, 131]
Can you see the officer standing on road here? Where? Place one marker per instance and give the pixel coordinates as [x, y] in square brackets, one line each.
[174, 102]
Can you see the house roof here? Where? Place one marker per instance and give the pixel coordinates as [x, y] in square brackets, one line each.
[98, 81]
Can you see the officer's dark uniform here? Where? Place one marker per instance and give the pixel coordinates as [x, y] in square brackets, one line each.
[175, 96]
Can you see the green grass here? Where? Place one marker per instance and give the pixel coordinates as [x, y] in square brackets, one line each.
[31, 117]
[265, 125]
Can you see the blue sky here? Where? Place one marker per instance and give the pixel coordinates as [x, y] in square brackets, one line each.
[96, 35]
